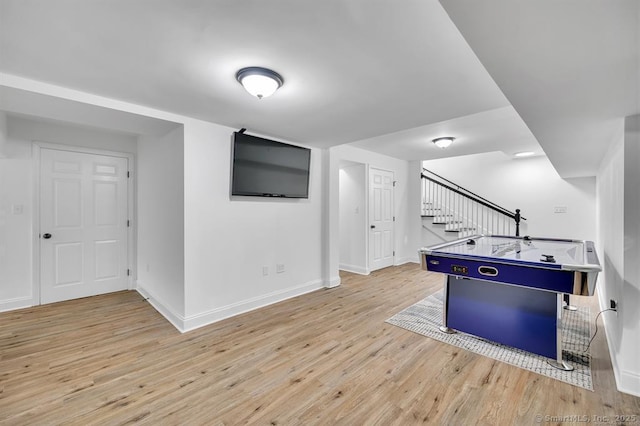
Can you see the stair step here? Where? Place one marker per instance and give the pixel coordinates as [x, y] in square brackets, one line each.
[443, 220]
[461, 229]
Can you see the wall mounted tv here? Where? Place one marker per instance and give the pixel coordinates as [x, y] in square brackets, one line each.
[265, 168]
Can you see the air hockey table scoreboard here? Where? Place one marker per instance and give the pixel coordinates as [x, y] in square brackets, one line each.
[510, 289]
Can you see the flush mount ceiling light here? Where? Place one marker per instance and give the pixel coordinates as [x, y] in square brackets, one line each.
[443, 142]
[523, 154]
[260, 82]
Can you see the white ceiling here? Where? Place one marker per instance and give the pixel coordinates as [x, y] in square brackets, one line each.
[49, 108]
[389, 76]
[571, 68]
[499, 129]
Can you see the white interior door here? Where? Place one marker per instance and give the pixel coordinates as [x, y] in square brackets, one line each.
[380, 219]
[83, 224]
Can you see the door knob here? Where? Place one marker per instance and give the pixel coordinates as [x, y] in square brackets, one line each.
[373, 226]
[46, 236]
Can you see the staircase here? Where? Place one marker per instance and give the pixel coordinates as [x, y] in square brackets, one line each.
[450, 212]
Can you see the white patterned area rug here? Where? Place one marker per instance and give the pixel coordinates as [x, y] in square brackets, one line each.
[426, 316]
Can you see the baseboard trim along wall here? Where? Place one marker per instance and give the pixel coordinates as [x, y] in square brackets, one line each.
[205, 318]
[629, 383]
[354, 269]
[332, 282]
[175, 319]
[403, 260]
[626, 381]
[17, 303]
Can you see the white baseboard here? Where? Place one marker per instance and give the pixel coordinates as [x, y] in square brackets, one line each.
[403, 260]
[214, 315]
[16, 303]
[332, 282]
[626, 381]
[629, 383]
[354, 269]
[175, 319]
[364, 271]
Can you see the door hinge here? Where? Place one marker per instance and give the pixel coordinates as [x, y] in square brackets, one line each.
[394, 183]
[394, 252]
[128, 174]
[394, 218]
[128, 223]
[128, 272]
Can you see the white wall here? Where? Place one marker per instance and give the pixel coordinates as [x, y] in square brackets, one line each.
[226, 242]
[406, 197]
[16, 189]
[530, 184]
[70, 134]
[3, 132]
[331, 216]
[229, 241]
[618, 185]
[414, 206]
[160, 222]
[629, 300]
[353, 218]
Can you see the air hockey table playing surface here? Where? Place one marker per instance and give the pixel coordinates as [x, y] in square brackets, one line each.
[509, 289]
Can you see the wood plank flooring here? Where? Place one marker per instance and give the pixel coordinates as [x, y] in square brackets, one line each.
[323, 358]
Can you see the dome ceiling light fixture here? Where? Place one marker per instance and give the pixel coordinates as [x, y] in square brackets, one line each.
[524, 154]
[443, 142]
[260, 82]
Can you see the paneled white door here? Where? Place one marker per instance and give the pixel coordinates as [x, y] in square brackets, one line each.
[380, 219]
[83, 224]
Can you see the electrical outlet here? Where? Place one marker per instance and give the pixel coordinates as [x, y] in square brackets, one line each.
[613, 304]
[560, 209]
[280, 268]
[265, 270]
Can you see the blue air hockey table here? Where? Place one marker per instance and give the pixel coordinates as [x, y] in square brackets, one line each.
[510, 289]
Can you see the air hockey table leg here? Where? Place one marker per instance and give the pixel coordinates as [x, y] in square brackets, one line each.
[445, 303]
[559, 363]
[568, 306]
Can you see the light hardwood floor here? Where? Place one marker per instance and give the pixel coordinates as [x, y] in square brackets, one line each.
[323, 358]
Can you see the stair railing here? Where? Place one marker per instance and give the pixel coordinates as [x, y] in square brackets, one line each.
[463, 211]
